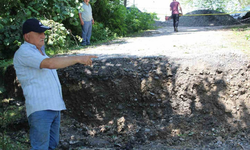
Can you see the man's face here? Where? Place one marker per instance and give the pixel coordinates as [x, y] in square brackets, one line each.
[86, 1]
[35, 38]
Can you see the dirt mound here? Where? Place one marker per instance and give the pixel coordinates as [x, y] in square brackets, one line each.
[151, 87]
[202, 18]
[207, 18]
[149, 99]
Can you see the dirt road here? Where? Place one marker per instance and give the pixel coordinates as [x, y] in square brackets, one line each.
[193, 45]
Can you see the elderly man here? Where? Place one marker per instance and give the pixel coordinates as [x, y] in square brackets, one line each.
[40, 83]
[174, 7]
[87, 20]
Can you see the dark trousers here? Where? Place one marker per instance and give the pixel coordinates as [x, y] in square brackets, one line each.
[175, 20]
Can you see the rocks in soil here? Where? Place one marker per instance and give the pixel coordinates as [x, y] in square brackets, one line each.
[150, 88]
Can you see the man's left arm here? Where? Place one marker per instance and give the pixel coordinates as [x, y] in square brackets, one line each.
[180, 8]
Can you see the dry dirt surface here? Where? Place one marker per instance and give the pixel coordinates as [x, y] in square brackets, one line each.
[202, 103]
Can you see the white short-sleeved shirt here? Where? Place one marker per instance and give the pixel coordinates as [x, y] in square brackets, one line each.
[41, 87]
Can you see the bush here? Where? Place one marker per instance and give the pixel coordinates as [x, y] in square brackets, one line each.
[100, 32]
[10, 37]
[120, 20]
[137, 21]
[112, 14]
[57, 37]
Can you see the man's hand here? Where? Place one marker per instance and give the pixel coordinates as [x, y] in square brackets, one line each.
[86, 60]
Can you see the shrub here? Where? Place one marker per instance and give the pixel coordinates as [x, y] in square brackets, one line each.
[57, 37]
[137, 21]
[10, 36]
[100, 32]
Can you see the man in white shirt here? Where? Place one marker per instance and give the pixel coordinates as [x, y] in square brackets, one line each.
[41, 86]
[87, 20]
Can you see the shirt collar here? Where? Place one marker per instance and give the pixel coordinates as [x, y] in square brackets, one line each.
[34, 46]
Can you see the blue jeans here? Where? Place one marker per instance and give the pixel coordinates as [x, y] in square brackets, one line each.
[44, 129]
[86, 32]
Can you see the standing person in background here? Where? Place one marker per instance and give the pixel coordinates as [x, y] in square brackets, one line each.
[174, 7]
[41, 86]
[87, 20]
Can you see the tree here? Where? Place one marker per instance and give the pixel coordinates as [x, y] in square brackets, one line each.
[125, 3]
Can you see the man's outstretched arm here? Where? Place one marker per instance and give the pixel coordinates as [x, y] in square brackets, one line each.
[62, 62]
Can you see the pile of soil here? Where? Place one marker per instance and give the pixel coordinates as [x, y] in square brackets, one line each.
[146, 100]
[207, 18]
[203, 18]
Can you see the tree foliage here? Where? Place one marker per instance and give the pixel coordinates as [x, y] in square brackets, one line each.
[15, 12]
[114, 15]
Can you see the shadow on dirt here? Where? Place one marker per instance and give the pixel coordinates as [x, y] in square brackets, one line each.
[151, 93]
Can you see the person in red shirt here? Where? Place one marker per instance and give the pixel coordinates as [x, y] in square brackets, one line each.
[174, 7]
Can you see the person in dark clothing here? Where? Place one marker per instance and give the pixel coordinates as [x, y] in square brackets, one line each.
[175, 7]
